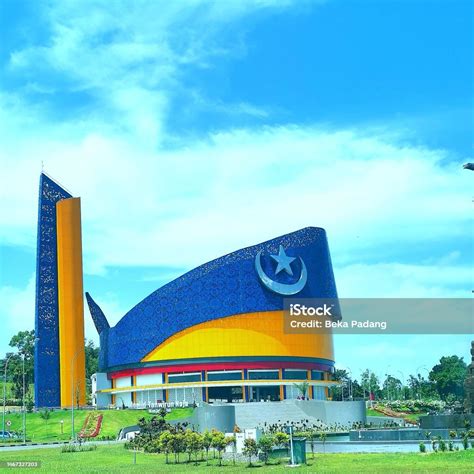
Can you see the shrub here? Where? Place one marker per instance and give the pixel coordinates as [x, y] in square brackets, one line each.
[45, 414]
[281, 439]
[164, 442]
[14, 402]
[232, 441]
[29, 403]
[422, 447]
[442, 445]
[193, 442]
[152, 446]
[311, 436]
[218, 443]
[265, 445]
[250, 449]
[77, 448]
[323, 436]
[207, 443]
[177, 445]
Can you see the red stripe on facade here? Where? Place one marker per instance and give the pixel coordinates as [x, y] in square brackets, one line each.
[218, 366]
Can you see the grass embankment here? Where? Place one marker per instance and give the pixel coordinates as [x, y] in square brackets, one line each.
[41, 430]
[413, 417]
[371, 412]
[114, 458]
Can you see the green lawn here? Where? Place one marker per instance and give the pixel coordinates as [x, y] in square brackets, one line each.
[38, 429]
[114, 458]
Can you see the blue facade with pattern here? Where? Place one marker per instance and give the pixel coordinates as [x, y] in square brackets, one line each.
[47, 384]
[223, 287]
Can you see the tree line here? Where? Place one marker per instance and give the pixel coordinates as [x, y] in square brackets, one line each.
[23, 345]
[445, 381]
[177, 440]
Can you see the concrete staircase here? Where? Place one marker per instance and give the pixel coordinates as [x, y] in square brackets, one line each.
[251, 415]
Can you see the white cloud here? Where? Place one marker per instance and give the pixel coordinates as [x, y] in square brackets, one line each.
[239, 187]
[18, 310]
[396, 280]
[128, 57]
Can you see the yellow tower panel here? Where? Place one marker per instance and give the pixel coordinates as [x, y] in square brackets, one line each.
[71, 306]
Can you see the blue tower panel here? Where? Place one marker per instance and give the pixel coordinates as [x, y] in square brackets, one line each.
[47, 386]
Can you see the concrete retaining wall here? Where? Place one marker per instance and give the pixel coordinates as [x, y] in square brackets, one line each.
[219, 417]
[253, 415]
[330, 412]
[381, 420]
[430, 422]
[407, 434]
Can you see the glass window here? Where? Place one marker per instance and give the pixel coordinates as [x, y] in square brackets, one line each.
[264, 375]
[317, 375]
[184, 378]
[292, 392]
[319, 393]
[224, 376]
[295, 374]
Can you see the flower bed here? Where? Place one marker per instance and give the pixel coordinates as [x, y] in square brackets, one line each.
[91, 426]
[415, 406]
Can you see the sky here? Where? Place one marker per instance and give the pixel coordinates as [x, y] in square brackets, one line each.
[191, 129]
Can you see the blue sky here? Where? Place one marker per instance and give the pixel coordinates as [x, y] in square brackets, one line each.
[191, 129]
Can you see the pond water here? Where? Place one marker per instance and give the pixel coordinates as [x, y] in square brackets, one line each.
[368, 447]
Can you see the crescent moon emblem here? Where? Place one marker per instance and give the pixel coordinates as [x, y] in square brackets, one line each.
[281, 288]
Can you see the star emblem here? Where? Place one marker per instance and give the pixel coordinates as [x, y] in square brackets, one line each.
[284, 262]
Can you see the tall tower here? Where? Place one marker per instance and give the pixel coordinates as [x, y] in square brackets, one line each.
[59, 318]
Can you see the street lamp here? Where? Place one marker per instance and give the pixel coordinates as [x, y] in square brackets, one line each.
[419, 375]
[370, 387]
[427, 371]
[389, 376]
[362, 384]
[403, 383]
[24, 407]
[73, 391]
[387, 381]
[5, 392]
[350, 383]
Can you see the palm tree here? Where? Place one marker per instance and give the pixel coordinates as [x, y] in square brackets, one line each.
[302, 387]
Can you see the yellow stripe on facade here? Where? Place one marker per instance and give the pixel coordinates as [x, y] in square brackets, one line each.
[213, 383]
[248, 334]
